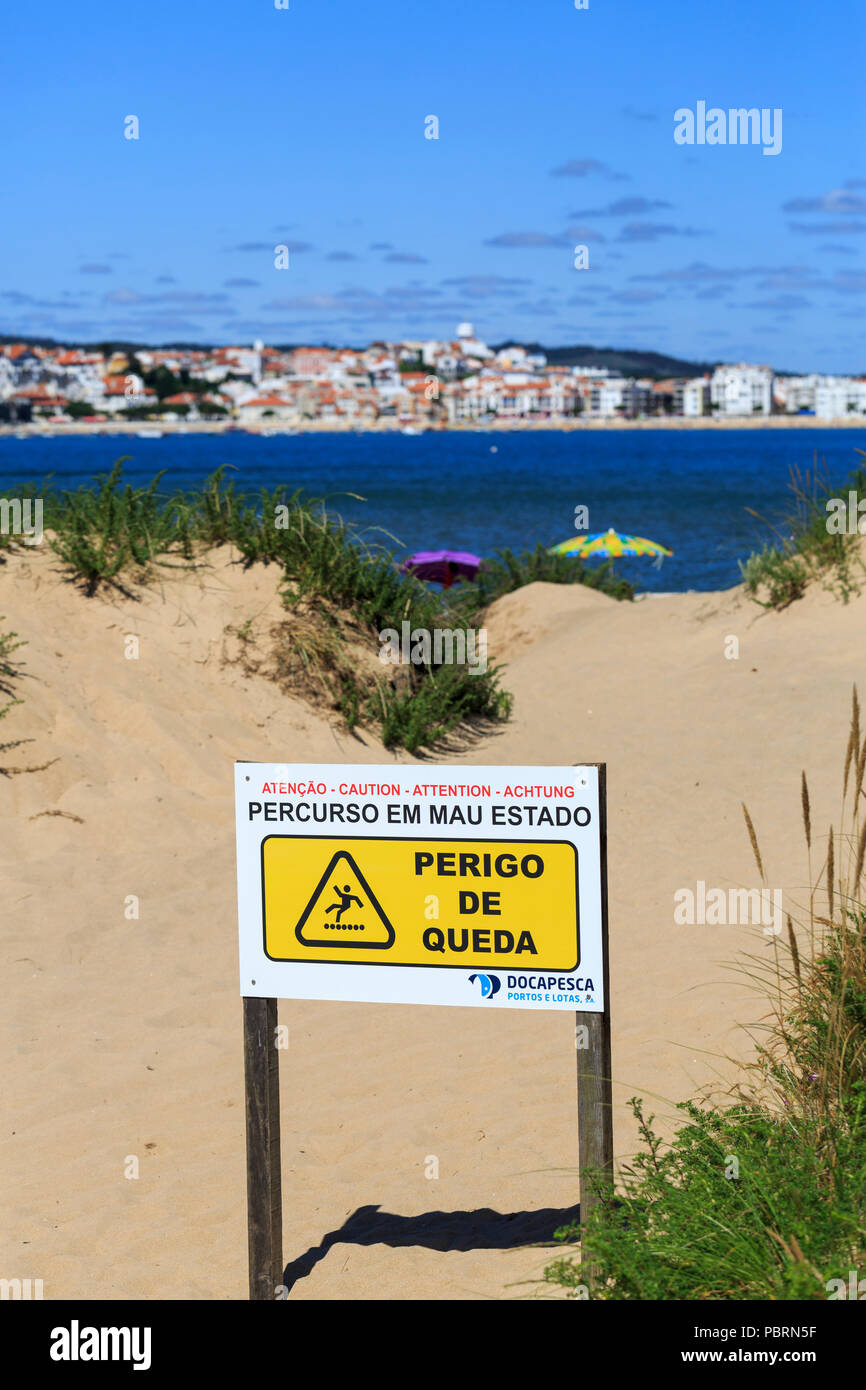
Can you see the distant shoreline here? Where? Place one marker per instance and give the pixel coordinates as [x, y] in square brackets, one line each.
[45, 429]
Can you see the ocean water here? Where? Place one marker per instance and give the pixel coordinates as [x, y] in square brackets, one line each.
[690, 490]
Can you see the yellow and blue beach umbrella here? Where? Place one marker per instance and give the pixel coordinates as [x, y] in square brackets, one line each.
[609, 543]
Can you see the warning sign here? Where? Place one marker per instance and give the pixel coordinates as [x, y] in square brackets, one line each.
[461, 903]
[343, 890]
[478, 886]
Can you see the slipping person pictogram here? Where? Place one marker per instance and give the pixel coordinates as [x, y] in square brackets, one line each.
[344, 896]
[344, 912]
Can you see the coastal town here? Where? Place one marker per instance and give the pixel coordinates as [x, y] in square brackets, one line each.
[413, 385]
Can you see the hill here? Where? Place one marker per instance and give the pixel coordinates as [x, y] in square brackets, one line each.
[629, 361]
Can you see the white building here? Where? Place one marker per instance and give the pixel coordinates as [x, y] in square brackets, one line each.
[470, 346]
[7, 378]
[796, 393]
[695, 397]
[839, 396]
[432, 349]
[612, 395]
[513, 356]
[742, 390]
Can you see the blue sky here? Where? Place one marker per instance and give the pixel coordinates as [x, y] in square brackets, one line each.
[305, 127]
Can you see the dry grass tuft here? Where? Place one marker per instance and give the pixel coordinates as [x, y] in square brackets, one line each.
[753, 840]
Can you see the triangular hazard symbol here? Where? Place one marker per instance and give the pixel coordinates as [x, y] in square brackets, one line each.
[344, 910]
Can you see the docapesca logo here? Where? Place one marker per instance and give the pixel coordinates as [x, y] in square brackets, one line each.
[490, 984]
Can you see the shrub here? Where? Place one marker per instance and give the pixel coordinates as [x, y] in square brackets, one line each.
[108, 530]
[782, 576]
[805, 549]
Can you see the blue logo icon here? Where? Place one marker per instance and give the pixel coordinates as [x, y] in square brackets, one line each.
[490, 984]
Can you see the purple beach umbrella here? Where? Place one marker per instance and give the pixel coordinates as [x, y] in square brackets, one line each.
[442, 566]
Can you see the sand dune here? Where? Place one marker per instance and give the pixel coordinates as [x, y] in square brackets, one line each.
[122, 1036]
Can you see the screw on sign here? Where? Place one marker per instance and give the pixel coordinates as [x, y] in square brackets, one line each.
[479, 887]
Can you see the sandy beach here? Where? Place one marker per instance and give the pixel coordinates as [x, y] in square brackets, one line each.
[122, 1036]
[45, 429]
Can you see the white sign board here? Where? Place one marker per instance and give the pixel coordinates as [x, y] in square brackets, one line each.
[421, 885]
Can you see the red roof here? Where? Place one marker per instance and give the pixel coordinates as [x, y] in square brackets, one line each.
[37, 396]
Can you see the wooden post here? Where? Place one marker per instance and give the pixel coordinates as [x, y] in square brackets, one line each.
[264, 1197]
[594, 1086]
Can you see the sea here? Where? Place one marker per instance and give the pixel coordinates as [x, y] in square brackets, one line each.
[711, 496]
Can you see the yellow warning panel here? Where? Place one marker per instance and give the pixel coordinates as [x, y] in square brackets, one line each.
[498, 904]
